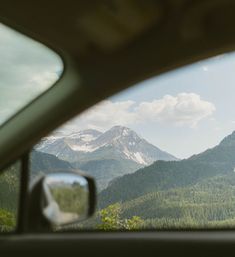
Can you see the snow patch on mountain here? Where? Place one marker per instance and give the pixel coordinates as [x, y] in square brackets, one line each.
[118, 142]
[84, 148]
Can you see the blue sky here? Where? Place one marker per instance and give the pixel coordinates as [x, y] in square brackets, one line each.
[183, 112]
[214, 81]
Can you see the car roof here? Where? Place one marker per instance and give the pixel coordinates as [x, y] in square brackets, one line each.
[107, 46]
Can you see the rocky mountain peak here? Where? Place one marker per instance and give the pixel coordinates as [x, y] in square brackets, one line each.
[118, 142]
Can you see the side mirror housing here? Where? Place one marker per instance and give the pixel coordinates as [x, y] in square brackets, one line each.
[60, 199]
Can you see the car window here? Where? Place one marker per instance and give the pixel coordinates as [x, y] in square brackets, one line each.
[162, 152]
[9, 197]
[27, 69]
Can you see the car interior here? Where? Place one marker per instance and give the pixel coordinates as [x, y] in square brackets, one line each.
[103, 48]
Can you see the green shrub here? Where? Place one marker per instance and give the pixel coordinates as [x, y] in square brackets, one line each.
[7, 221]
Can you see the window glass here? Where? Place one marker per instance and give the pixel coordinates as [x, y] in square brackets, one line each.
[27, 69]
[162, 152]
[9, 197]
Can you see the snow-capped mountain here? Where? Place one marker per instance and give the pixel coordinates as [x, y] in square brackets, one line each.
[66, 147]
[105, 156]
[121, 142]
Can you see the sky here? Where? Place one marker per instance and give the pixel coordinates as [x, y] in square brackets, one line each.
[183, 112]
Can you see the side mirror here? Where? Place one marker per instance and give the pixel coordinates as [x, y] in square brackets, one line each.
[59, 199]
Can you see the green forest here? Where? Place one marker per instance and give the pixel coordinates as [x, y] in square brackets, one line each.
[207, 204]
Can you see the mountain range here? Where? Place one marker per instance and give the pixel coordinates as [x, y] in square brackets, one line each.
[124, 143]
[105, 156]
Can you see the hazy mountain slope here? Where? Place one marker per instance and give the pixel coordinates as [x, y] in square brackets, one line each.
[106, 170]
[222, 154]
[43, 163]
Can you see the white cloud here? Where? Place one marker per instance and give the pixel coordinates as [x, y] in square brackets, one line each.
[184, 109]
[104, 115]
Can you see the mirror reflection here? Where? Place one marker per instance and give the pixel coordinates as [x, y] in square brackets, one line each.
[66, 197]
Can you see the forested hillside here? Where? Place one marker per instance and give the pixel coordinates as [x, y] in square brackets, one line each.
[195, 192]
[164, 175]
